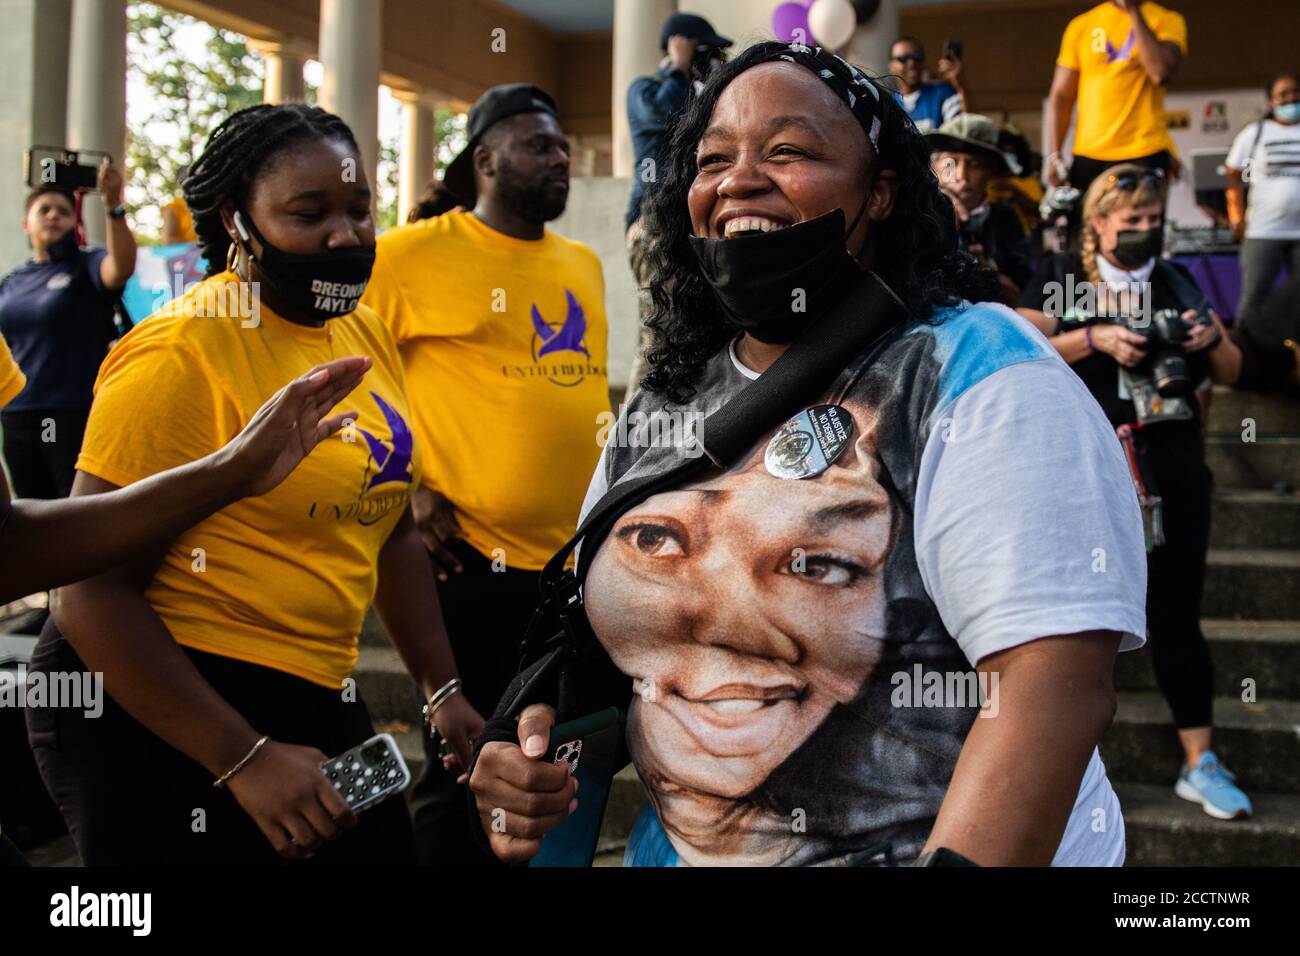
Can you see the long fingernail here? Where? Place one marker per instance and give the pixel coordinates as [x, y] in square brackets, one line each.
[534, 745]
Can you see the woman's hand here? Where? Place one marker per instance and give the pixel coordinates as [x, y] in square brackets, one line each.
[1201, 336]
[459, 724]
[1123, 345]
[109, 184]
[290, 799]
[520, 799]
[291, 423]
[435, 519]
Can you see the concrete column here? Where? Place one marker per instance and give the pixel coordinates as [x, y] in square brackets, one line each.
[636, 53]
[97, 90]
[415, 161]
[34, 109]
[351, 39]
[869, 48]
[283, 66]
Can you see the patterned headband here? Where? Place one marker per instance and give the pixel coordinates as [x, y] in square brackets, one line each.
[850, 84]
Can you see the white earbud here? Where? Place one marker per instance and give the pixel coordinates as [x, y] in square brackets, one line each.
[239, 225]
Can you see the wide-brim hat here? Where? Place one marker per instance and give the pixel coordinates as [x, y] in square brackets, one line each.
[975, 134]
[498, 103]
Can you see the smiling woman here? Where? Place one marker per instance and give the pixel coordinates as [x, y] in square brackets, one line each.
[763, 609]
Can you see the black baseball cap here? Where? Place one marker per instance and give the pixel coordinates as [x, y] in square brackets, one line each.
[689, 25]
[498, 103]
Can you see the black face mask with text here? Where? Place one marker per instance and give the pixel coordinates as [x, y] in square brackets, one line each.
[1135, 247]
[324, 285]
[775, 284]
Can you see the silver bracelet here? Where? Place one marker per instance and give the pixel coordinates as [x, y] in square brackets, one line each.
[440, 697]
[221, 781]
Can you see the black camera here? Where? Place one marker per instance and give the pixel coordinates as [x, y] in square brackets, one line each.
[1166, 362]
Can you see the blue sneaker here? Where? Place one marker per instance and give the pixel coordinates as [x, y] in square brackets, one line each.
[1211, 785]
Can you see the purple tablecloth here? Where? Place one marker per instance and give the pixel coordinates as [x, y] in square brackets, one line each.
[1219, 277]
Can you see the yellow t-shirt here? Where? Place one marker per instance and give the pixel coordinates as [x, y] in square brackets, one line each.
[12, 379]
[283, 580]
[184, 220]
[504, 344]
[1121, 112]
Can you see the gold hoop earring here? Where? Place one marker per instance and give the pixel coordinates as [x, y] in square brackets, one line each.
[232, 256]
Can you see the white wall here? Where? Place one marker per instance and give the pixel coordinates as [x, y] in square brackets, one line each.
[595, 216]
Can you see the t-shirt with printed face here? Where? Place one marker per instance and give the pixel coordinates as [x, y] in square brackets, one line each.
[1121, 111]
[504, 345]
[802, 649]
[283, 579]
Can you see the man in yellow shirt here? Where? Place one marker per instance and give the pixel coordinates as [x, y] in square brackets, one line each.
[500, 324]
[1115, 61]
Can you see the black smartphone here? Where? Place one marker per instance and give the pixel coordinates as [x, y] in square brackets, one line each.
[70, 169]
[952, 49]
[590, 747]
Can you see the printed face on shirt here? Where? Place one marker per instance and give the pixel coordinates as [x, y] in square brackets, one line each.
[746, 608]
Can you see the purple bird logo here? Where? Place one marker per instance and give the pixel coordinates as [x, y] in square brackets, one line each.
[570, 335]
[395, 462]
[1113, 55]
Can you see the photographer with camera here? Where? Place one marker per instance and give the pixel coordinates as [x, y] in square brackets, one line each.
[57, 314]
[693, 51]
[1139, 334]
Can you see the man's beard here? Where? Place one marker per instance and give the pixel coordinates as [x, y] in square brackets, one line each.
[530, 203]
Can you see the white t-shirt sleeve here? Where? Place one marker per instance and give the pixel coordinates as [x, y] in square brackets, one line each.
[1026, 519]
[1237, 154]
[951, 107]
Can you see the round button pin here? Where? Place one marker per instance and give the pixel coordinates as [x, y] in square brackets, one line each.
[809, 443]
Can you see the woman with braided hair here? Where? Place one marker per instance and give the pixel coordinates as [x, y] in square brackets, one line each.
[1127, 303]
[227, 651]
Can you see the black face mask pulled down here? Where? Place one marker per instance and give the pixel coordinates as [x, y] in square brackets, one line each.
[1135, 247]
[775, 284]
[324, 285]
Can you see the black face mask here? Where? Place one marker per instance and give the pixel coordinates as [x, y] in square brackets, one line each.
[1134, 247]
[762, 281]
[324, 285]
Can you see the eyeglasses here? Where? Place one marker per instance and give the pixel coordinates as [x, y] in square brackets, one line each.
[1129, 181]
[907, 58]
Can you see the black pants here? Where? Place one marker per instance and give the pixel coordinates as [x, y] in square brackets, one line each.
[486, 613]
[131, 799]
[1175, 582]
[42, 468]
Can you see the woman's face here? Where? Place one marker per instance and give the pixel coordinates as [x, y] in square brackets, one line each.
[781, 148]
[48, 219]
[746, 608]
[310, 197]
[1285, 90]
[1126, 217]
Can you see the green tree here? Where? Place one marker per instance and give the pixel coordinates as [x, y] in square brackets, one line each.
[189, 95]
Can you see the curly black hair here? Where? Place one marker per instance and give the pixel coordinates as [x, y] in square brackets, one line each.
[235, 152]
[918, 253]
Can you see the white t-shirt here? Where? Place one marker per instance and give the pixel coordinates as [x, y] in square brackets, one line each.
[1272, 169]
[1025, 520]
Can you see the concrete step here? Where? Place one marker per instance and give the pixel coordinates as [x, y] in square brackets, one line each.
[1164, 830]
[1258, 464]
[1272, 414]
[1244, 518]
[1260, 742]
[1267, 652]
[1258, 583]
[385, 686]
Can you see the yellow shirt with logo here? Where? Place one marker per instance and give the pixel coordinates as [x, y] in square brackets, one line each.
[12, 379]
[504, 342]
[281, 580]
[1121, 111]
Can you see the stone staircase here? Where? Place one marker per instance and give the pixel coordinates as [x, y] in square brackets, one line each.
[1251, 618]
